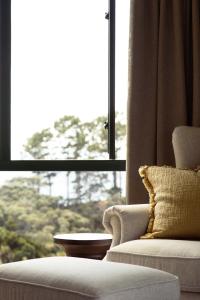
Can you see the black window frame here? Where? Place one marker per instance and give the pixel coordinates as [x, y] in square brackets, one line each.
[6, 164]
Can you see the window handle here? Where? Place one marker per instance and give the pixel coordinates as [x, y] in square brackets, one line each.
[106, 125]
[107, 16]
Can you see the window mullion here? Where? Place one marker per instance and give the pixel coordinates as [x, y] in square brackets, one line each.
[63, 165]
[111, 80]
[5, 85]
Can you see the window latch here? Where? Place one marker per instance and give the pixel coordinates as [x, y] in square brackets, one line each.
[107, 16]
[106, 125]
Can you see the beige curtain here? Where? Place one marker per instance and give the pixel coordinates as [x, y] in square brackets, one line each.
[164, 82]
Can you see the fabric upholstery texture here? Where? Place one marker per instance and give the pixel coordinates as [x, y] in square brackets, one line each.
[126, 222]
[189, 296]
[174, 202]
[62, 278]
[186, 146]
[178, 257]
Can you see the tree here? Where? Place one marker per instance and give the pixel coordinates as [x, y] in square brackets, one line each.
[31, 219]
[97, 138]
[70, 138]
[28, 218]
[37, 146]
[14, 247]
[96, 148]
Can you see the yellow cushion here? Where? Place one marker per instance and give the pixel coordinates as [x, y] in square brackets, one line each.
[174, 202]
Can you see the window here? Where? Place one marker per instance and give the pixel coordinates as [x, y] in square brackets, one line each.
[55, 76]
[53, 145]
[50, 54]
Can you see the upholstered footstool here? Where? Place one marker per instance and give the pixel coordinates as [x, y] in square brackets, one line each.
[63, 278]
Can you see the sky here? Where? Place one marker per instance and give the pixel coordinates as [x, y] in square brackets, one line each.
[59, 63]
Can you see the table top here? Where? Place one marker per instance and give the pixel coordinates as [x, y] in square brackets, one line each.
[82, 238]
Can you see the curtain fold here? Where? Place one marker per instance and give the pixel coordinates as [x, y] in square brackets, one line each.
[164, 82]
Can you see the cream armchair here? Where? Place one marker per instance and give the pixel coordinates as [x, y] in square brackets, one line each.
[120, 220]
[128, 222]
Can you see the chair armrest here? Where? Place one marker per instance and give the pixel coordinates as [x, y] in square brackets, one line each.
[126, 222]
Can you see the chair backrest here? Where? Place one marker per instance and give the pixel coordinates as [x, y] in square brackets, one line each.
[186, 145]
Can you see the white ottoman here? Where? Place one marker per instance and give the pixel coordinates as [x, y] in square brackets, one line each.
[63, 278]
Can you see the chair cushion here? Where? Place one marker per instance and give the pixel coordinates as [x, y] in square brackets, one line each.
[174, 201]
[178, 257]
[186, 145]
[69, 278]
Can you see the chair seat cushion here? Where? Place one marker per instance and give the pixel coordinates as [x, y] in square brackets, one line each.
[179, 257]
[68, 278]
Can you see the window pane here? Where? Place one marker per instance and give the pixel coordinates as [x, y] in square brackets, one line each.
[122, 38]
[59, 79]
[36, 206]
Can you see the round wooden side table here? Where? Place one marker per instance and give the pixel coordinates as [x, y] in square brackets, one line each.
[86, 245]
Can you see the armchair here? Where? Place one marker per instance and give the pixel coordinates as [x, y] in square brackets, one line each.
[128, 222]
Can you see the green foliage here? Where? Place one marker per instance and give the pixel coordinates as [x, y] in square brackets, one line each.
[28, 221]
[97, 138]
[70, 138]
[30, 218]
[14, 247]
[37, 145]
